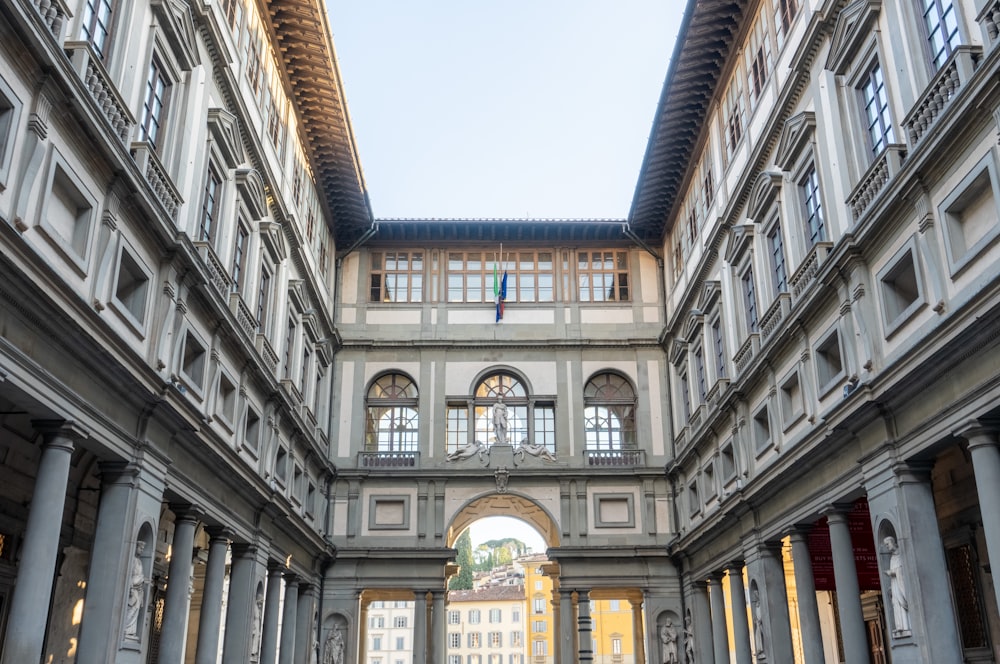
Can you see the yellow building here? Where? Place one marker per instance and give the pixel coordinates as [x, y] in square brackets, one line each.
[540, 626]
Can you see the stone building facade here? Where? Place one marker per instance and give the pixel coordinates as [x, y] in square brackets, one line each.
[220, 374]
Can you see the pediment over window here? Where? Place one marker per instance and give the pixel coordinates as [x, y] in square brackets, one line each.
[678, 352]
[765, 190]
[225, 131]
[250, 185]
[854, 25]
[297, 295]
[740, 239]
[795, 135]
[693, 325]
[710, 293]
[175, 20]
[273, 240]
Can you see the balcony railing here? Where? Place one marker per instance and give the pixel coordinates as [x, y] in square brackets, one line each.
[883, 169]
[621, 458]
[388, 460]
[216, 271]
[244, 317]
[156, 176]
[53, 15]
[747, 352]
[776, 313]
[955, 73]
[989, 21]
[90, 69]
[806, 273]
[267, 353]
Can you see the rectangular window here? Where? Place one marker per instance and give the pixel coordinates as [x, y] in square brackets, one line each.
[876, 107]
[209, 205]
[454, 618]
[530, 276]
[399, 621]
[758, 57]
[616, 646]
[515, 615]
[289, 343]
[813, 207]
[263, 295]
[397, 276]
[538, 605]
[253, 68]
[400, 643]
[274, 122]
[96, 24]
[469, 277]
[540, 648]
[733, 114]
[454, 640]
[495, 639]
[750, 300]
[685, 396]
[603, 276]
[153, 103]
[495, 615]
[720, 349]
[784, 14]
[474, 617]
[699, 364]
[304, 371]
[251, 432]
[545, 427]
[456, 428]
[941, 23]
[239, 255]
[376, 643]
[539, 626]
[475, 640]
[234, 13]
[777, 247]
[515, 639]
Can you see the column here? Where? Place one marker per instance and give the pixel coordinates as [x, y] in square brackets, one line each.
[286, 655]
[638, 635]
[701, 618]
[805, 588]
[986, 465]
[210, 624]
[924, 570]
[720, 633]
[845, 575]
[173, 637]
[741, 628]
[29, 607]
[272, 600]
[363, 630]
[584, 628]
[420, 627]
[567, 642]
[114, 546]
[439, 629]
[775, 605]
[304, 623]
[240, 633]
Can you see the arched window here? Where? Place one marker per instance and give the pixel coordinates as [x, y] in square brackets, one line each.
[609, 413]
[530, 418]
[392, 415]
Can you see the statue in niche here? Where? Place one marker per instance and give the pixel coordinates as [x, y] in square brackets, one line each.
[500, 421]
[758, 628]
[534, 449]
[897, 587]
[136, 593]
[688, 639]
[258, 608]
[333, 649]
[668, 641]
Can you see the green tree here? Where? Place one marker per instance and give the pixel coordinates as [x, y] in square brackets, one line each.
[463, 580]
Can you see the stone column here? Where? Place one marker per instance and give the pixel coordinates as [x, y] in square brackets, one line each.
[439, 629]
[638, 636]
[237, 647]
[567, 627]
[775, 605]
[584, 627]
[176, 605]
[986, 465]
[741, 628]
[272, 600]
[420, 627]
[720, 633]
[210, 624]
[845, 574]
[108, 583]
[701, 619]
[29, 607]
[363, 631]
[805, 588]
[286, 654]
[925, 570]
[305, 622]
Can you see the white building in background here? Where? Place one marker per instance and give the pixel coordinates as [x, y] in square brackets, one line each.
[390, 632]
[486, 626]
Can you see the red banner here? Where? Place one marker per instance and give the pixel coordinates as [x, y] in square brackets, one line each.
[859, 524]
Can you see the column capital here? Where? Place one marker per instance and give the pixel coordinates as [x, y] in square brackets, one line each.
[798, 531]
[68, 430]
[735, 566]
[978, 434]
[836, 512]
[186, 512]
[292, 579]
[913, 472]
[216, 533]
[244, 550]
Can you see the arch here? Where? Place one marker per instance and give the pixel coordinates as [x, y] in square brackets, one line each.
[391, 413]
[609, 404]
[508, 504]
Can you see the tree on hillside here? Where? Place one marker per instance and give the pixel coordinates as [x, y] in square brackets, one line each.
[463, 580]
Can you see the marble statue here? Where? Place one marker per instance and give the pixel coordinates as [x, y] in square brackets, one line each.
[668, 640]
[897, 587]
[500, 421]
[136, 592]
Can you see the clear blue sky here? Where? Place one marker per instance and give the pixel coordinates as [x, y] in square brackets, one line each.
[503, 108]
